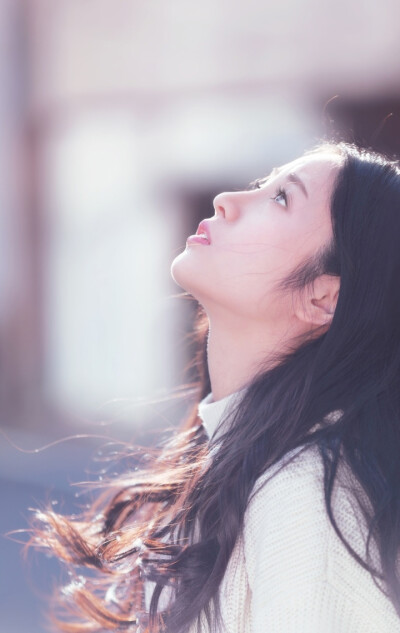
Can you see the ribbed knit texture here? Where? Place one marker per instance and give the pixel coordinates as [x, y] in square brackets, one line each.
[289, 572]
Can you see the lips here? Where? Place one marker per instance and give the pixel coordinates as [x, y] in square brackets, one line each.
[204, 231]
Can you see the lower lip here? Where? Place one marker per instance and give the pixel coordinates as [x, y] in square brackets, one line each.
[196, 239]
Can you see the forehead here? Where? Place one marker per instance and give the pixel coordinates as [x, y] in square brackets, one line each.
[317, 169]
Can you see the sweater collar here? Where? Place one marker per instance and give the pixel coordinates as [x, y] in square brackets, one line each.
[211, 412]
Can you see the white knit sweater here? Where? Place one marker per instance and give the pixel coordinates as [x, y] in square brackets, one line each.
[289, 572]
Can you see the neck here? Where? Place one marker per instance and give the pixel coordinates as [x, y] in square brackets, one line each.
[238, 350]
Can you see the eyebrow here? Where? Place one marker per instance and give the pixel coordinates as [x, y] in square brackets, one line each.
[292, 177]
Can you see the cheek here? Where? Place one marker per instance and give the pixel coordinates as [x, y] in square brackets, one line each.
[262, 257]
[240, 275]
[246, 266]
[241, 281]
[265, 243]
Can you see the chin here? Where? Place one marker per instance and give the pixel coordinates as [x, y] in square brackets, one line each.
[185, 272]
[179, 271]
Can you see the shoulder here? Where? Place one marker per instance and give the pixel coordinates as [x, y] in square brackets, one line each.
[285, 521]
[302, 467]
[294, 483]
[291, 547]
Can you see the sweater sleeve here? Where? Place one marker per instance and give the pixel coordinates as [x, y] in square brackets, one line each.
[290, 546]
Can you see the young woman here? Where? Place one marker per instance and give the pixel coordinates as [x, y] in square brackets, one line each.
[276, 509]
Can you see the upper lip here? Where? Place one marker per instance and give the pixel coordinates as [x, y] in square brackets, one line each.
[203, 228]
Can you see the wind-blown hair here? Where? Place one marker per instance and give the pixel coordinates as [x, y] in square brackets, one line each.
[175, 520]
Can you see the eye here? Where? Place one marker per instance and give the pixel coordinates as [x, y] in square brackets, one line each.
[282, 195]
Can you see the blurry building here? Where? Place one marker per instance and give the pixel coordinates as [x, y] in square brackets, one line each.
[117, 118]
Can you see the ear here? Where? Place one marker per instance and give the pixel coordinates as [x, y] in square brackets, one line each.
[317, 305]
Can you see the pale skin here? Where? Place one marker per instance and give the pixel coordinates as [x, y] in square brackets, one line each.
[258, 237]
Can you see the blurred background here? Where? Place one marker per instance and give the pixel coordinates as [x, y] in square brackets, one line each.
[120, 120]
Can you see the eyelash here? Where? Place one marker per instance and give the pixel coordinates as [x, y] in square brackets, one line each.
[279, 192]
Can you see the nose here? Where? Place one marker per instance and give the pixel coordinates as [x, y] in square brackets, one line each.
[227, 205]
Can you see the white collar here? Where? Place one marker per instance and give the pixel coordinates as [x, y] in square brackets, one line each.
[211, 412]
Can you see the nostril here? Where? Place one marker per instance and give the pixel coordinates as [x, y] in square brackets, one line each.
[219, 206]
[226, 205]
[220, 209]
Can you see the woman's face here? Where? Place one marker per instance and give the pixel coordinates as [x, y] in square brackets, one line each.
[258, 237]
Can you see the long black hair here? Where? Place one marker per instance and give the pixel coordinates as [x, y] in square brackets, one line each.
[175, 520]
